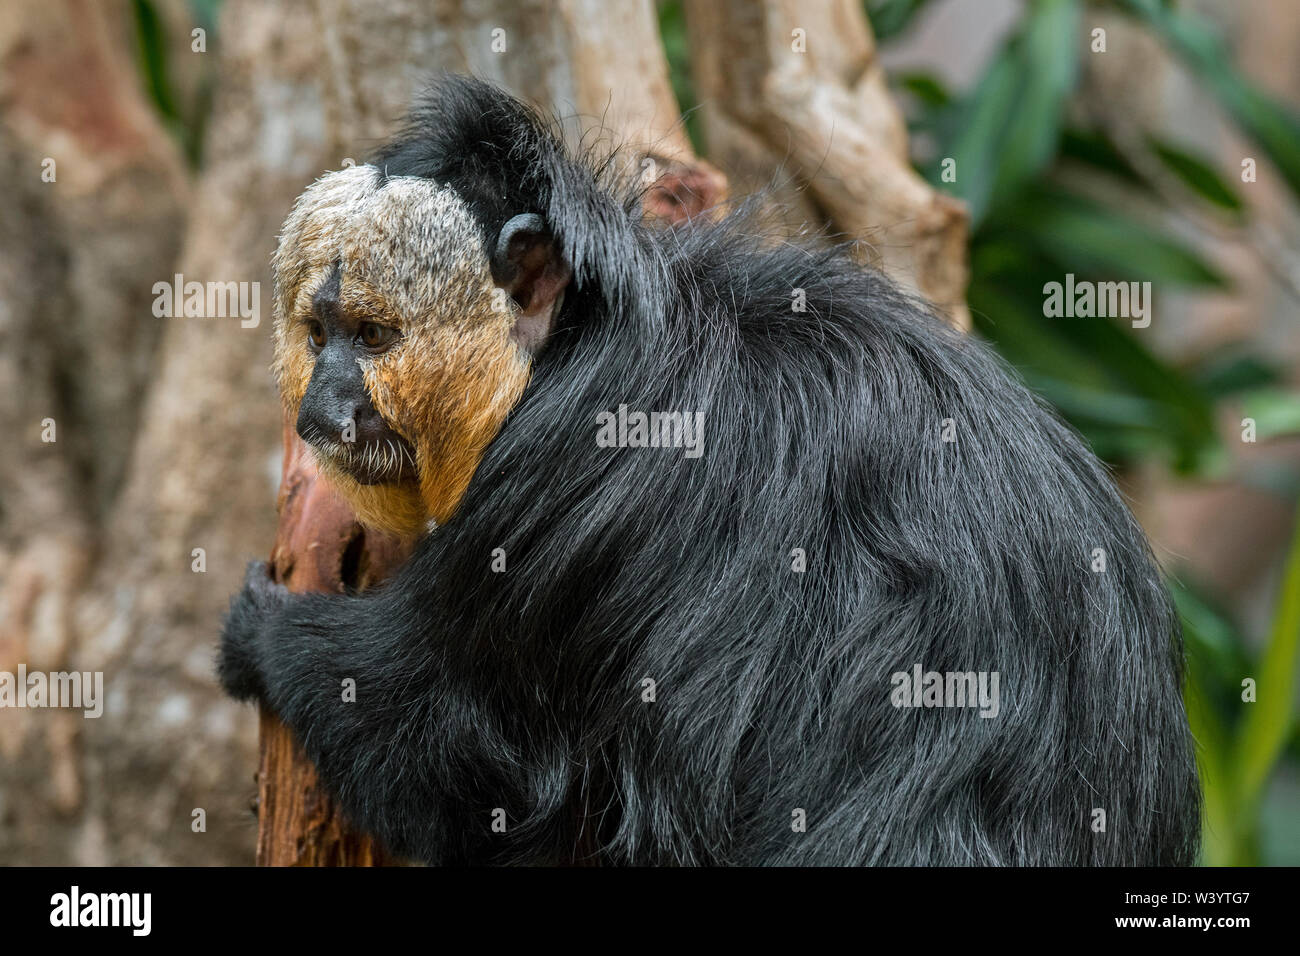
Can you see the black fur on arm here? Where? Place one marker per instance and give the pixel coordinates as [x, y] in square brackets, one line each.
[416, 753]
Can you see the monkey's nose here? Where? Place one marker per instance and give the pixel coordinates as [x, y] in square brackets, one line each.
[367, 423]
[345, 424]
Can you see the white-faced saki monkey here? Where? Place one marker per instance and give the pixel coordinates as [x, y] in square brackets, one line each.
[731, 552]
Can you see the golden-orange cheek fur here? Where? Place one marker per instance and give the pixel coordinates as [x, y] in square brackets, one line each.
[448, 393]
[447, 390]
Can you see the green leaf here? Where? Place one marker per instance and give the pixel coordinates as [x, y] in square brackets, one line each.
[1197, 175]
[1212, 639]
[1126, 405]
[976, 143]
[1215, 658]
[1102, 376]
[1177, 406]
[891, 17]
[1268, 721]
[1049, 60]
[1006, 132]
[1220, 832]
[1012, 319]
[152, 53]
[672, 34]
[1231, 371]
[1096, 149]
[1276, 412]
[1091, 239]
[926, 87]
[1270, 123]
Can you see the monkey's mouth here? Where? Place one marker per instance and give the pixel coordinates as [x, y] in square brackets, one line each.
[384, 461]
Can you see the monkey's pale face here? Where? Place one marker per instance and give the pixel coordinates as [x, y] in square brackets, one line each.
[396, 268]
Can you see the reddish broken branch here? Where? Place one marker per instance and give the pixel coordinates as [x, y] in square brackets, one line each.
[319, 546]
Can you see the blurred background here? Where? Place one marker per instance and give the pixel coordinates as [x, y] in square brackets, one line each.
[1131, 140]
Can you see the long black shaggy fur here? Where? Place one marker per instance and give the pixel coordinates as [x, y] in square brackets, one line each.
[523, 690]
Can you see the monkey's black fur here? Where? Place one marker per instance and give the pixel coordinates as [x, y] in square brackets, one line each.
[523, 690]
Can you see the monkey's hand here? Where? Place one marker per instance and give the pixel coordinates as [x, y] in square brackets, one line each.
[239, 660]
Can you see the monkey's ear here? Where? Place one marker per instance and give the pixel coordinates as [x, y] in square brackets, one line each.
[528, 263]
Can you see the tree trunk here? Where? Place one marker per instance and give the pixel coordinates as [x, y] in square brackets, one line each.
[94, 213]
[792, 94]
[319, 547]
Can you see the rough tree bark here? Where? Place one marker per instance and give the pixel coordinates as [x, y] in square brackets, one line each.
[93, 214]
[793, 95]
[319, 547]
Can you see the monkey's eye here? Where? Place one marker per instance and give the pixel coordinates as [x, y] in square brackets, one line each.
[376, 336]
[316, 334]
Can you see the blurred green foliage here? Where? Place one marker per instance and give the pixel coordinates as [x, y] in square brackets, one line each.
[677, 51]
[1240, 744]
[185, 114]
